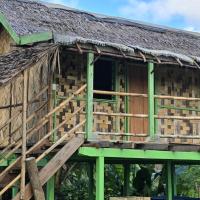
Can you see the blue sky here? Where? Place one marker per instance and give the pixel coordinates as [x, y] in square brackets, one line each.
[183, 14]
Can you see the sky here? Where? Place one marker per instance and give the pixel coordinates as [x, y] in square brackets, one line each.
[181, 14]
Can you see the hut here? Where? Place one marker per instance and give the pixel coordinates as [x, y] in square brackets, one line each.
[103, 88]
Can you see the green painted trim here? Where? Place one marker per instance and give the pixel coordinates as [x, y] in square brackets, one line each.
[126, 187]
[151, 105]
[90, 85]
[140, 154]
[25, 39]
[156, 101]
[169, 181]
[178, 108]
[100, 178]
[50, 189]
[8, 28]
[37, 37]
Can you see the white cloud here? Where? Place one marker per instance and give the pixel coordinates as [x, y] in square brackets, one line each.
[70, 3]
[161, 11]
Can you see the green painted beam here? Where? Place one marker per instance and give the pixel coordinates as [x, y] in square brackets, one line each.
[8, 28]
[151, 108]
[139, 154]
[50, 189]
[100, 178]
[89, 103]
[169, 181]
[15, 190]
[25, 39]
[37, 37]
[126, 180]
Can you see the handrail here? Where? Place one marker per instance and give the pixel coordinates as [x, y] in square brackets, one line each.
[43, 121]
[121, 114]
[176, 98]
[119, 93]
[39, 143]
[3, 173]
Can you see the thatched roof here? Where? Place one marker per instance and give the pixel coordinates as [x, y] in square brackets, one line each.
[70, 26]
[12, 64]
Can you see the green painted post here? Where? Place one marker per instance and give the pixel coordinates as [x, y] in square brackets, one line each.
[89, 107]
[126, 179]
[100, 178]
[174, 179]
[50, 189]
[169, 181]
[151, 99]
[15, 190]
[91, 180]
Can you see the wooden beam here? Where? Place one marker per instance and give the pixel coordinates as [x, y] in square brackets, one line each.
[33, 173]
[24, 113]
[54, 164]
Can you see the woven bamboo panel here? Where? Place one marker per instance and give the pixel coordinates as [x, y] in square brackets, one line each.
[71, 78]
[6, 41]
[37, 78]
[178, 82]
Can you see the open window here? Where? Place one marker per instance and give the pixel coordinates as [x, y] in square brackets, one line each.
[103, 78]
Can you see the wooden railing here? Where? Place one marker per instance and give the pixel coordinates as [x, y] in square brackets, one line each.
[154, 115]
[12, 148]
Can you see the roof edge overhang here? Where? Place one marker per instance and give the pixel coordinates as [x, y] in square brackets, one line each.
[24, 39]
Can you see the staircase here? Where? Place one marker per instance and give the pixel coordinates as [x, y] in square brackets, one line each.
[67, 145]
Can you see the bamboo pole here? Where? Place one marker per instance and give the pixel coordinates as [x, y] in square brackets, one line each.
[180, 136]
[44, 154]
[44, 120]
[178, 117]
[121, 114]
[40, 142]
[24, 113]
[176, 98]
[123, 134]
[119, 93]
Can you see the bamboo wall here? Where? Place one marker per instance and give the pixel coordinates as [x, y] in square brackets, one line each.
[11, 94]
[178, 82]
[5, 41]
[72, 77]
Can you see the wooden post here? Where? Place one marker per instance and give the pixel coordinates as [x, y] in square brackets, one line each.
[38, 192]
[151, 99]
[169, 181]
[50, 189]
[91, 180]
[24, 112]
[100, 178]
[126, 179]
[89, 107]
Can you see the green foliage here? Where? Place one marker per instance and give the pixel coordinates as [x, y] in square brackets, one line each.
[188, 182]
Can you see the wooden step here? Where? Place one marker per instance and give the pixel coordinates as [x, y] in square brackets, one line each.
[54, 164]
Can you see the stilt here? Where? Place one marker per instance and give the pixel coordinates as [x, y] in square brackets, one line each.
[100, 178]
[50, 189]
[91, 181]
[126, 179]
[169, 181]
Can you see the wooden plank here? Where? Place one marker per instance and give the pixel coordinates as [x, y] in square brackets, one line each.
[32, 169]
[54, 164]
[24, 113]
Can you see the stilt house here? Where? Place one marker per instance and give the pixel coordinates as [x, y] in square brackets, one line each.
[82, 86]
